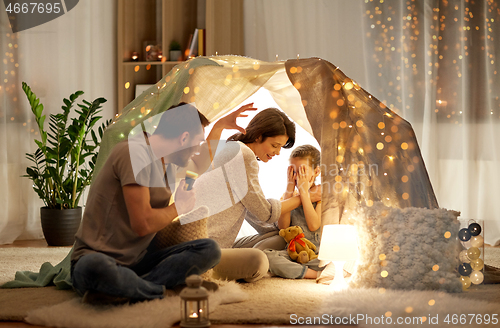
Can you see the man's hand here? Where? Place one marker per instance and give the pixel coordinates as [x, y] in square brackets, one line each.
[184, 199]
[229, 121]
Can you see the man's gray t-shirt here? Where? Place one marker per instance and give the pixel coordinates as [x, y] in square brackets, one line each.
[106, 225]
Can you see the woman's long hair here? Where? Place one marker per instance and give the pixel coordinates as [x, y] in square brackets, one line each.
[270, 122]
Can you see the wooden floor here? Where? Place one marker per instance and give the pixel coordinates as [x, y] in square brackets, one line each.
[42, 243]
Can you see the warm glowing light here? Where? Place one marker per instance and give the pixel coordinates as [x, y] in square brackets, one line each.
[408, 309]
[380, 146]
[396, 248]
[381, 125]
[382, 257]
[384, 274]
[127, 85]
[447, 234]
[435, 267]
[431, 302]
[477, 264]
[186, 90]
[404, 146]
[477, 241]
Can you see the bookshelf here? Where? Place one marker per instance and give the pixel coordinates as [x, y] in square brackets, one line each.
[162, 21]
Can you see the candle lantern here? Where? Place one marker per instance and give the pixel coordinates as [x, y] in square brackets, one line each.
[194, 304]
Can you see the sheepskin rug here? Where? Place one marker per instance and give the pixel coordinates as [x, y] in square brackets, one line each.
[410, 248]
[153, 314]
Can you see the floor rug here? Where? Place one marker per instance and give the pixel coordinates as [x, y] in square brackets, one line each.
[14, 259]
[281, 301]
[268, 301]
[153, 314]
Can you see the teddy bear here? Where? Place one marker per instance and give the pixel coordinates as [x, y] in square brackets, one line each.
[299, 248]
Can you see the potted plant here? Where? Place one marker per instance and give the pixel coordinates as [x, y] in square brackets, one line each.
[175, 51]
[63, 163]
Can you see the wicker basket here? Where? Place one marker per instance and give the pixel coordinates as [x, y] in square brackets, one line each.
[175, 233]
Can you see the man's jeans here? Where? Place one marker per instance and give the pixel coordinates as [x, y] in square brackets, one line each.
[167, 267]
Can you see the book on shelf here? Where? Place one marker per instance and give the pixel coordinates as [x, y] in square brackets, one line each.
[197, 43]
[202, 42]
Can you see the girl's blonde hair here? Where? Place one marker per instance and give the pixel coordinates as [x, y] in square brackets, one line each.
[309, 152]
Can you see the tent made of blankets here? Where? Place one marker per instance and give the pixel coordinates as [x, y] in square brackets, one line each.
[369, 153]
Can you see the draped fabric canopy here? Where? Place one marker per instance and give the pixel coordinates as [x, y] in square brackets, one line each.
[368, 152]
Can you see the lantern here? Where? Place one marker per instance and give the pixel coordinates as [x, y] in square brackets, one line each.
[194, 304]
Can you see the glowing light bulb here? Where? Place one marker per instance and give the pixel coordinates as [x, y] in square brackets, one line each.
[477, 264]
[473, 253]
[464, 258]
[476, 277]
[477, 241]
[466, 282]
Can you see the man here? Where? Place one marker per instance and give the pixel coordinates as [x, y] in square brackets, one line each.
[128, 203]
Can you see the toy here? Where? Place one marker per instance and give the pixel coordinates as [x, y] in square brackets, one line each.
[299, 249]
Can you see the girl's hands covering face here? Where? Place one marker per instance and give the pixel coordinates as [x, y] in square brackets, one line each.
[291, 179]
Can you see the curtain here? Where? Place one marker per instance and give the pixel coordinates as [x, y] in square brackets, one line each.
[434, 62]
[73, 52]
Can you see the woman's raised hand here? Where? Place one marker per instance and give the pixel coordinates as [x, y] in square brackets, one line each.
[229, 121]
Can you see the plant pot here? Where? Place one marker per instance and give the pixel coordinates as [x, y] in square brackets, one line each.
[175, 55]
[60, 226]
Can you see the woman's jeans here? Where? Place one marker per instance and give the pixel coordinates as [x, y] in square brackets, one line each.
[167, 267]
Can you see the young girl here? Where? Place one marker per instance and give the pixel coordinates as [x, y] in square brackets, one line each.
[303, 170]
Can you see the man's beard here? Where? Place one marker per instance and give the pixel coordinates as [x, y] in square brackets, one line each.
[182, 157]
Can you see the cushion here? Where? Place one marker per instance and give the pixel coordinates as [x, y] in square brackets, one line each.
[410, 248]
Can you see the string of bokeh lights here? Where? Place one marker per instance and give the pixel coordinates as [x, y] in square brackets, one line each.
[408, 44]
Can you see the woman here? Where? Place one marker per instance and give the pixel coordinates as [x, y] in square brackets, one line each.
[231, 189]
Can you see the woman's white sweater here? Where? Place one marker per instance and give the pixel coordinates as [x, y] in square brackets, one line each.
[231, 191]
